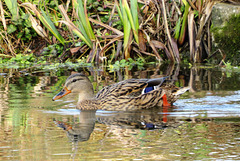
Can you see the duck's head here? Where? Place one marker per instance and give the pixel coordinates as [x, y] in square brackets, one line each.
[77, 83]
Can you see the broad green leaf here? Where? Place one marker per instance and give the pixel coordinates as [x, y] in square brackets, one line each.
[177, 29]
[13, 8]
[83, 17]
[130, 18]
[11, 28]
[45, 19]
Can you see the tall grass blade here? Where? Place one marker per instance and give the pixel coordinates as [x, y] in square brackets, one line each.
[45, 19]
[130, 18]
[177, 29]
[134, 11]
[83, 31]
[120, 13]
[184, 25]
[75, 30]
[126, 29]
[89, 29]
[208, 10]
[73, 27]
[13, 8]
[83, 17]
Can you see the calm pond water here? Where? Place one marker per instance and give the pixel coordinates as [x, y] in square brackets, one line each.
[203, 124]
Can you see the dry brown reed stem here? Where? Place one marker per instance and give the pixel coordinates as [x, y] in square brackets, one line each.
[65, 16]
[8, 42]
[177, 8]
[118, 32]
[117, 37]
[175, 52]
[191, 4]
[153, 47]
[206, 13]
[191, 34]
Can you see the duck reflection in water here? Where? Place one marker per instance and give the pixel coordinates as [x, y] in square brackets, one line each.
[131, 98]
[81, 131]
[155, 118]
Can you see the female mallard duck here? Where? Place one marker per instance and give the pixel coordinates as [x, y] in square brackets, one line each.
[129, 94]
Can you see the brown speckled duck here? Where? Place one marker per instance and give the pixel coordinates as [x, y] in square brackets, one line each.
[131, 94]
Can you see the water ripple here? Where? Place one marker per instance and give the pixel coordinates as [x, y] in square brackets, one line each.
[212, 106]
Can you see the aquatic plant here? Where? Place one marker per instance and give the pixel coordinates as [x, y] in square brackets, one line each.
[130, 63]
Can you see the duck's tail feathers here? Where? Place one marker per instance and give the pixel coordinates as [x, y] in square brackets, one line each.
[181, 90]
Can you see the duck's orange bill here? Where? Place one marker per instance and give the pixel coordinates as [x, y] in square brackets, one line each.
[61, 94]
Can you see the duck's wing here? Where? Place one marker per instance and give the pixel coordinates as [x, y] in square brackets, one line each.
[130, 87]
[122, 88]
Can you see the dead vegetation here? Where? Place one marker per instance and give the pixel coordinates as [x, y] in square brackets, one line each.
[158, 28]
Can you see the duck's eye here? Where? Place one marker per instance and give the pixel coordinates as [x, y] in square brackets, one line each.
[74, 80]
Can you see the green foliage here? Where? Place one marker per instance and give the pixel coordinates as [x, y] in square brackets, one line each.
[11, 28]
[95, 6]
[46, 20]
[196, 13]
[139, 63]
[41, 62]
[12, 6]
[229, 69]
[182, 33]
[20, 61]
[177, 29]
[129, 19]
[33, 62]
[85, 25]
[228, 38]
[52, 51]
[66, 65]
[21, 28]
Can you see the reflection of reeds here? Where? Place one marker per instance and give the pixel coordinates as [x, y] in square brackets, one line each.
[4, 86]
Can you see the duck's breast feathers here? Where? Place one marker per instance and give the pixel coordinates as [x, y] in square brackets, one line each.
[130, 86]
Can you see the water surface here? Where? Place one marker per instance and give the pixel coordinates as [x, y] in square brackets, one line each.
[203, 124]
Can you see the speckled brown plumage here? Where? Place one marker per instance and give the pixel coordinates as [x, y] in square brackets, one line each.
[124, 95]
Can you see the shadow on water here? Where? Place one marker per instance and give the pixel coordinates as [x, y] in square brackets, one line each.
[203, 124]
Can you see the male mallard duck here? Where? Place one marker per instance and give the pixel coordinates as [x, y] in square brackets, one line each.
[129, 94]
